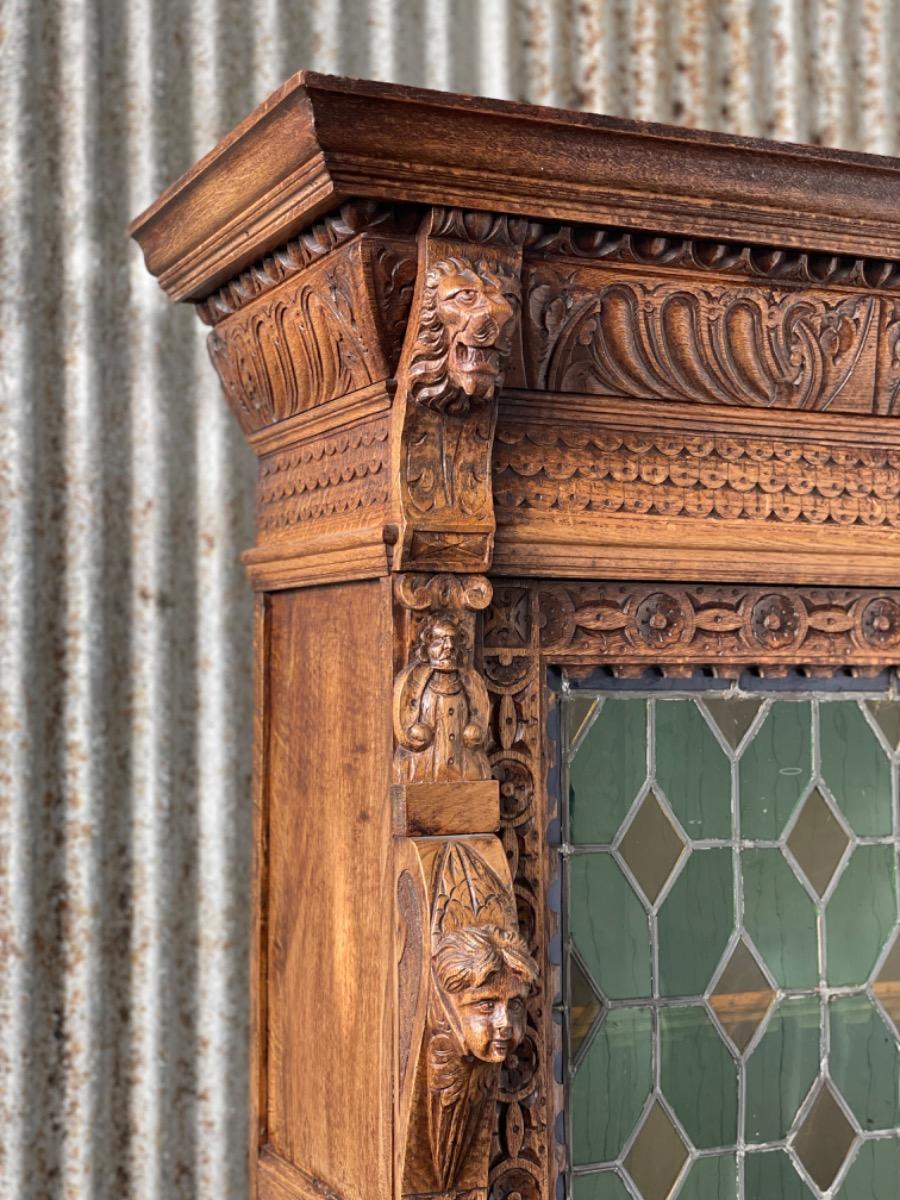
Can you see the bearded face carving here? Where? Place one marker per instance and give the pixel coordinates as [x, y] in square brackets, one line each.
[465, 334]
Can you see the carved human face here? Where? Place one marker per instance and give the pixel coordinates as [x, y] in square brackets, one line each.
[478, 318]
[492, 1017]
[443, 646]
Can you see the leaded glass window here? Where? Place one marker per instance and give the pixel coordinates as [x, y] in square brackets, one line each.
[732, 947]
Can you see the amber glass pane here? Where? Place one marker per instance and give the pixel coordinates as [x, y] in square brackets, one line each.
[742, 996]
[824, 1139]
[657, 1155]
[818, 841]
[887, 984]
[585, 1007]
[651, 847]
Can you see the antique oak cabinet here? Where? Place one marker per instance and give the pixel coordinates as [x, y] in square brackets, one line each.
[578, 604]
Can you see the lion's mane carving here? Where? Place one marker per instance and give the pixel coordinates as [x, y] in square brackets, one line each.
[465, 331]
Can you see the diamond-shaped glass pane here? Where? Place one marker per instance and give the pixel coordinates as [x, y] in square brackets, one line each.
[657, 1155]
[742, 996]
[733, 717]
[887, 716]
[818, 841]
[585, 1006]
[651, 847]
[824, 1139]
[580, 710]
[887, 984]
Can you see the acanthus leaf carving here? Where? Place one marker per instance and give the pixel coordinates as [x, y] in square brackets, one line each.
[720, 344]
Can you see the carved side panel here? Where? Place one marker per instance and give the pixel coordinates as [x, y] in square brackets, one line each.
[594, 330]
[458, 346]
[316, 336]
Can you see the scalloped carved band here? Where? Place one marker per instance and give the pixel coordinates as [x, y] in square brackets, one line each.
[582, 469]
[632, 627]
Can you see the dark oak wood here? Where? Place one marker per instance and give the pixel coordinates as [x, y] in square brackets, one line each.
[528, 389]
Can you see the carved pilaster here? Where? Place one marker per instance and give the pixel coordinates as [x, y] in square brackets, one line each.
[465, 975]
[458, 346]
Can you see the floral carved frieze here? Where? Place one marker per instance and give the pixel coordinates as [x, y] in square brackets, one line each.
[584, 469]
[590, 330]
[636, 626]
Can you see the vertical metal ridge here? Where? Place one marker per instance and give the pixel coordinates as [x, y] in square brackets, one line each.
[127, 496]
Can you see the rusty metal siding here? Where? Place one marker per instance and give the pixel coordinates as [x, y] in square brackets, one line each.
[127, 495]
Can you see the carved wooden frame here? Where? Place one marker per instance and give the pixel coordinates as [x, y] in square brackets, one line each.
[679, 370]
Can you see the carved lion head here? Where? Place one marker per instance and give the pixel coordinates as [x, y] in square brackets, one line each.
[464, 336]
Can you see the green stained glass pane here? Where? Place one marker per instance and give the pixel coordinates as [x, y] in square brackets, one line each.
[865, 1063]
[692, 770]
[875, 1174]
[698, 1076]
[695, 923]
[603, 1185]
[781, 918]
[770, 1175]
[887, 983]
[860, 915]
[713, 1178]
[855, 768]
[611, 1086]
[775, 769]
[781, 1070]
[608, 770]
[609, 926]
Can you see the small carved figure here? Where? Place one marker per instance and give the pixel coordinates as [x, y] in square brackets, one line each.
[441, 709]
[464, 334]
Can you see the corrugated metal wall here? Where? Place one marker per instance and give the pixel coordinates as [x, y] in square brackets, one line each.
[126, 498]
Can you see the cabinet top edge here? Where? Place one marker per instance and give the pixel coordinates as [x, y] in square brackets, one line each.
[319, 140]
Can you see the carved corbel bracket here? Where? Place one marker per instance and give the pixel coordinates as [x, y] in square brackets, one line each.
[464, 976]
[458, 346]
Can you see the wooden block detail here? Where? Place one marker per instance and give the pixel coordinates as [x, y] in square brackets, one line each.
[445, 809]
[278, 1179]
